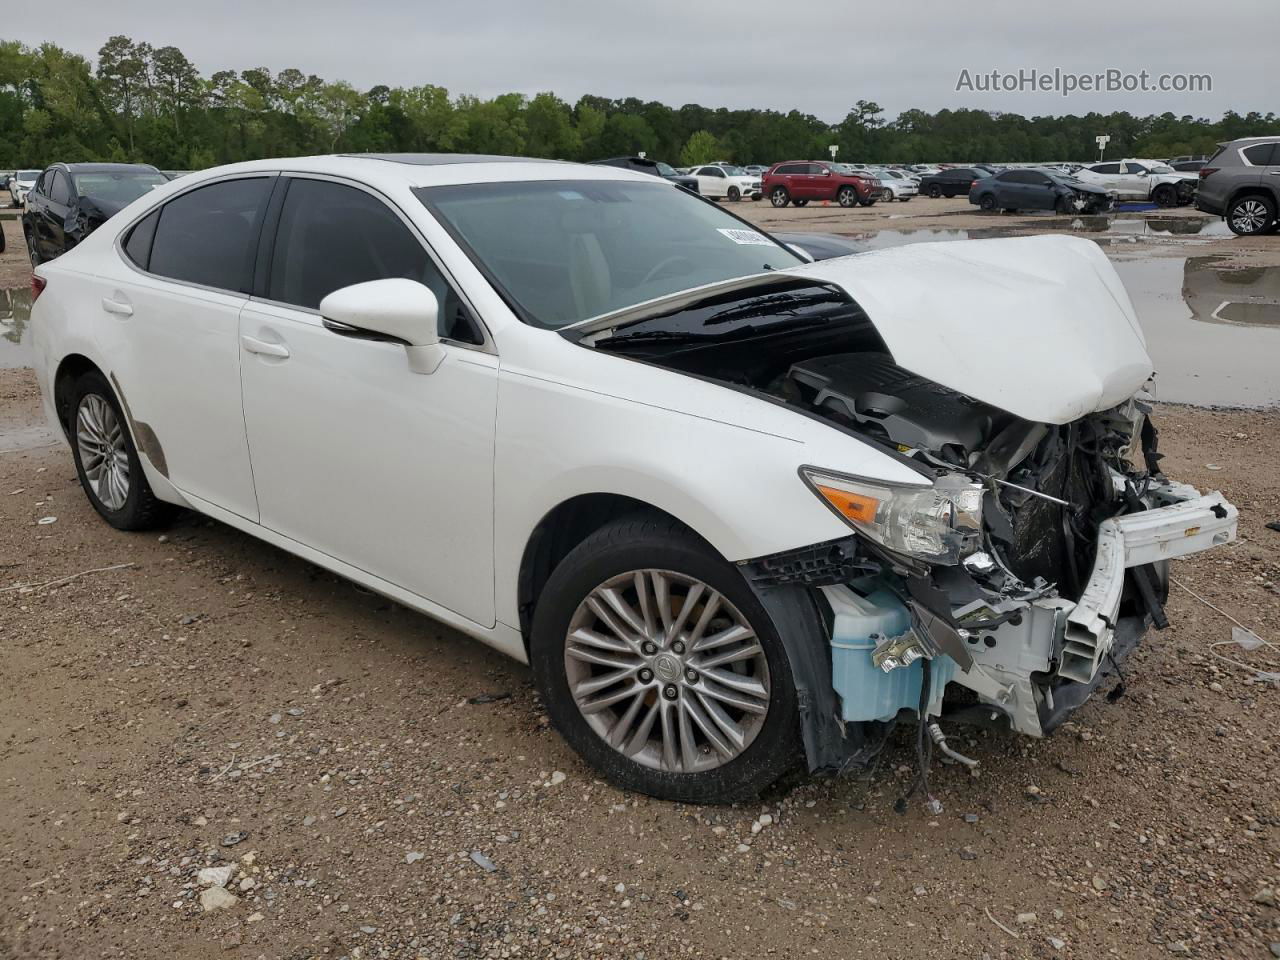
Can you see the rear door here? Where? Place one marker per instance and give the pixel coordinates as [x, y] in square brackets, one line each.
[169, 319]
[1263, 161]
[354, 454]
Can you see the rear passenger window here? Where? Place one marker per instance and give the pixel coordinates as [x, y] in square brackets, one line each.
[137, 245]
[60, 189]
[210, 235]
[1260, 154]
[331, 236]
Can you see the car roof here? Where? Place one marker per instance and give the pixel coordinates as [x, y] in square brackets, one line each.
[399, 170]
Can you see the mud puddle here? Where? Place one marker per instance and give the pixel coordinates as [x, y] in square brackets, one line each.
[15, 339]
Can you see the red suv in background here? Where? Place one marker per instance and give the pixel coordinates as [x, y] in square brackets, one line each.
[799, 181]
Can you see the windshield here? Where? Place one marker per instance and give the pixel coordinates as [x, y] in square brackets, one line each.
[28, 174]
[569, 250]
[667, 170]
[119, 188]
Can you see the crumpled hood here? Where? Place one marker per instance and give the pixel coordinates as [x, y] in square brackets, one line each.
[1038, 326]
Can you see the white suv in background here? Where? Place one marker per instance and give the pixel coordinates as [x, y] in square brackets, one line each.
[1141, 180]
[723, 180]
[21, 184]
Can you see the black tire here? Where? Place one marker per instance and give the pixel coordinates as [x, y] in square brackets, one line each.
[141, 509]
[779, 196]
[800, 203]
[735, 194]
[32, 252]
[1251, 215]
[935, 191]
[847, 196]
[652, 541]
[1165, 195]
[987, 202]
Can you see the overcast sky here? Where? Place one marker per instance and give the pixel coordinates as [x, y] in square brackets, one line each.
[817, 57]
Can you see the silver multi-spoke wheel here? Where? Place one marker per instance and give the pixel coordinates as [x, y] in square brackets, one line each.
[103, 455]
[1249, 216]
[667, 671]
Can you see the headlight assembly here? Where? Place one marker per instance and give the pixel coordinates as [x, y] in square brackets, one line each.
[940, 523]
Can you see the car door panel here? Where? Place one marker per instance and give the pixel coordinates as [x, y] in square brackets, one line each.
[177, 362]
[357, 456]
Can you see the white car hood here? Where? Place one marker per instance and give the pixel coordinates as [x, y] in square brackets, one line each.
[1038, 326]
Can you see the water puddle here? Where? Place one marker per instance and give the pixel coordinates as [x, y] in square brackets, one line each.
[15, 340]
[1213, 332]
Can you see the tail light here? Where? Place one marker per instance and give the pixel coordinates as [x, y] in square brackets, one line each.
[37, 287]
[1205, 171]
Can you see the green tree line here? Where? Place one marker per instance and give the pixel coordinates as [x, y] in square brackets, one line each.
[151, 104]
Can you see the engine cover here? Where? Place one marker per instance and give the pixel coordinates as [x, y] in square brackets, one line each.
[870, 392]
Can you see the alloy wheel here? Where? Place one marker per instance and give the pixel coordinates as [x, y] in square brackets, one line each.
[100, 441]
[667, 671]
[1249, 216]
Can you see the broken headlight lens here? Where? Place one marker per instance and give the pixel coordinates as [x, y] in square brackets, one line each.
[940, 523]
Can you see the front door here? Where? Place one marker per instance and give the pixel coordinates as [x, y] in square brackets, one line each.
[354, 454]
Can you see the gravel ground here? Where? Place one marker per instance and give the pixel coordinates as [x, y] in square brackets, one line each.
[374, 785]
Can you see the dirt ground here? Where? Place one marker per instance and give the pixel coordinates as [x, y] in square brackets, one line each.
[383, 788]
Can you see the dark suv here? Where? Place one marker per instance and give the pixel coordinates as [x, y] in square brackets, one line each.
[71, 200]
[955, 182]
[799, 181]
[1241, 183]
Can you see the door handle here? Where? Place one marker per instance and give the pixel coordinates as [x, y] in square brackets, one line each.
[118, 307]
[264, 348]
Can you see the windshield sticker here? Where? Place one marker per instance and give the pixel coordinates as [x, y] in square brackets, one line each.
[746, 236]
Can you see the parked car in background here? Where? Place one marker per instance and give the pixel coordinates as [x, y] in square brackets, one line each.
[755, 169]
[951, 182]
[654, 168]
[726, 182]
[1241, 183]
[521, 397]
[20, 184]
[71, 200]
[897, 185]
[799, 181]
[820, 246]
[1038, 190]
[1187, 166]
[1132, 179]
[175, 174]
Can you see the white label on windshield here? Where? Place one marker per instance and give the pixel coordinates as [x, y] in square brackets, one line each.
[746, 236]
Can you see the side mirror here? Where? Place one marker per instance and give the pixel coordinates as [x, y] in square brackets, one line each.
[826, 173]
[404, 310]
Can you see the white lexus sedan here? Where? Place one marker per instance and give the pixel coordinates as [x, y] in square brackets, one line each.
[738, 510]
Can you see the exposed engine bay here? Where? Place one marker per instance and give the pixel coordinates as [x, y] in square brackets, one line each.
[1037, 558]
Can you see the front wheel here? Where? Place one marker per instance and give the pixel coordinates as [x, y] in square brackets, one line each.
[107, 461]
[935, 191]
[846, 196]
[1251, 215]
[658, 664]
[987, 202]
[735, 194]
[1165, 195]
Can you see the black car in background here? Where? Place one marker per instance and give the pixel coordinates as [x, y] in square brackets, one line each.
[654, 168]
[951, 183]
[1038, 190]
[71, 200]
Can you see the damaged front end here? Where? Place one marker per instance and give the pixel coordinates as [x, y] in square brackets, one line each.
[1031, 556]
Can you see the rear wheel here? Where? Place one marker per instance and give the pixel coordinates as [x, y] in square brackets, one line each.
[658, 664]
[1251, 215]
[106, 459]
[779, 196]
[846, 196]
[987, 201]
